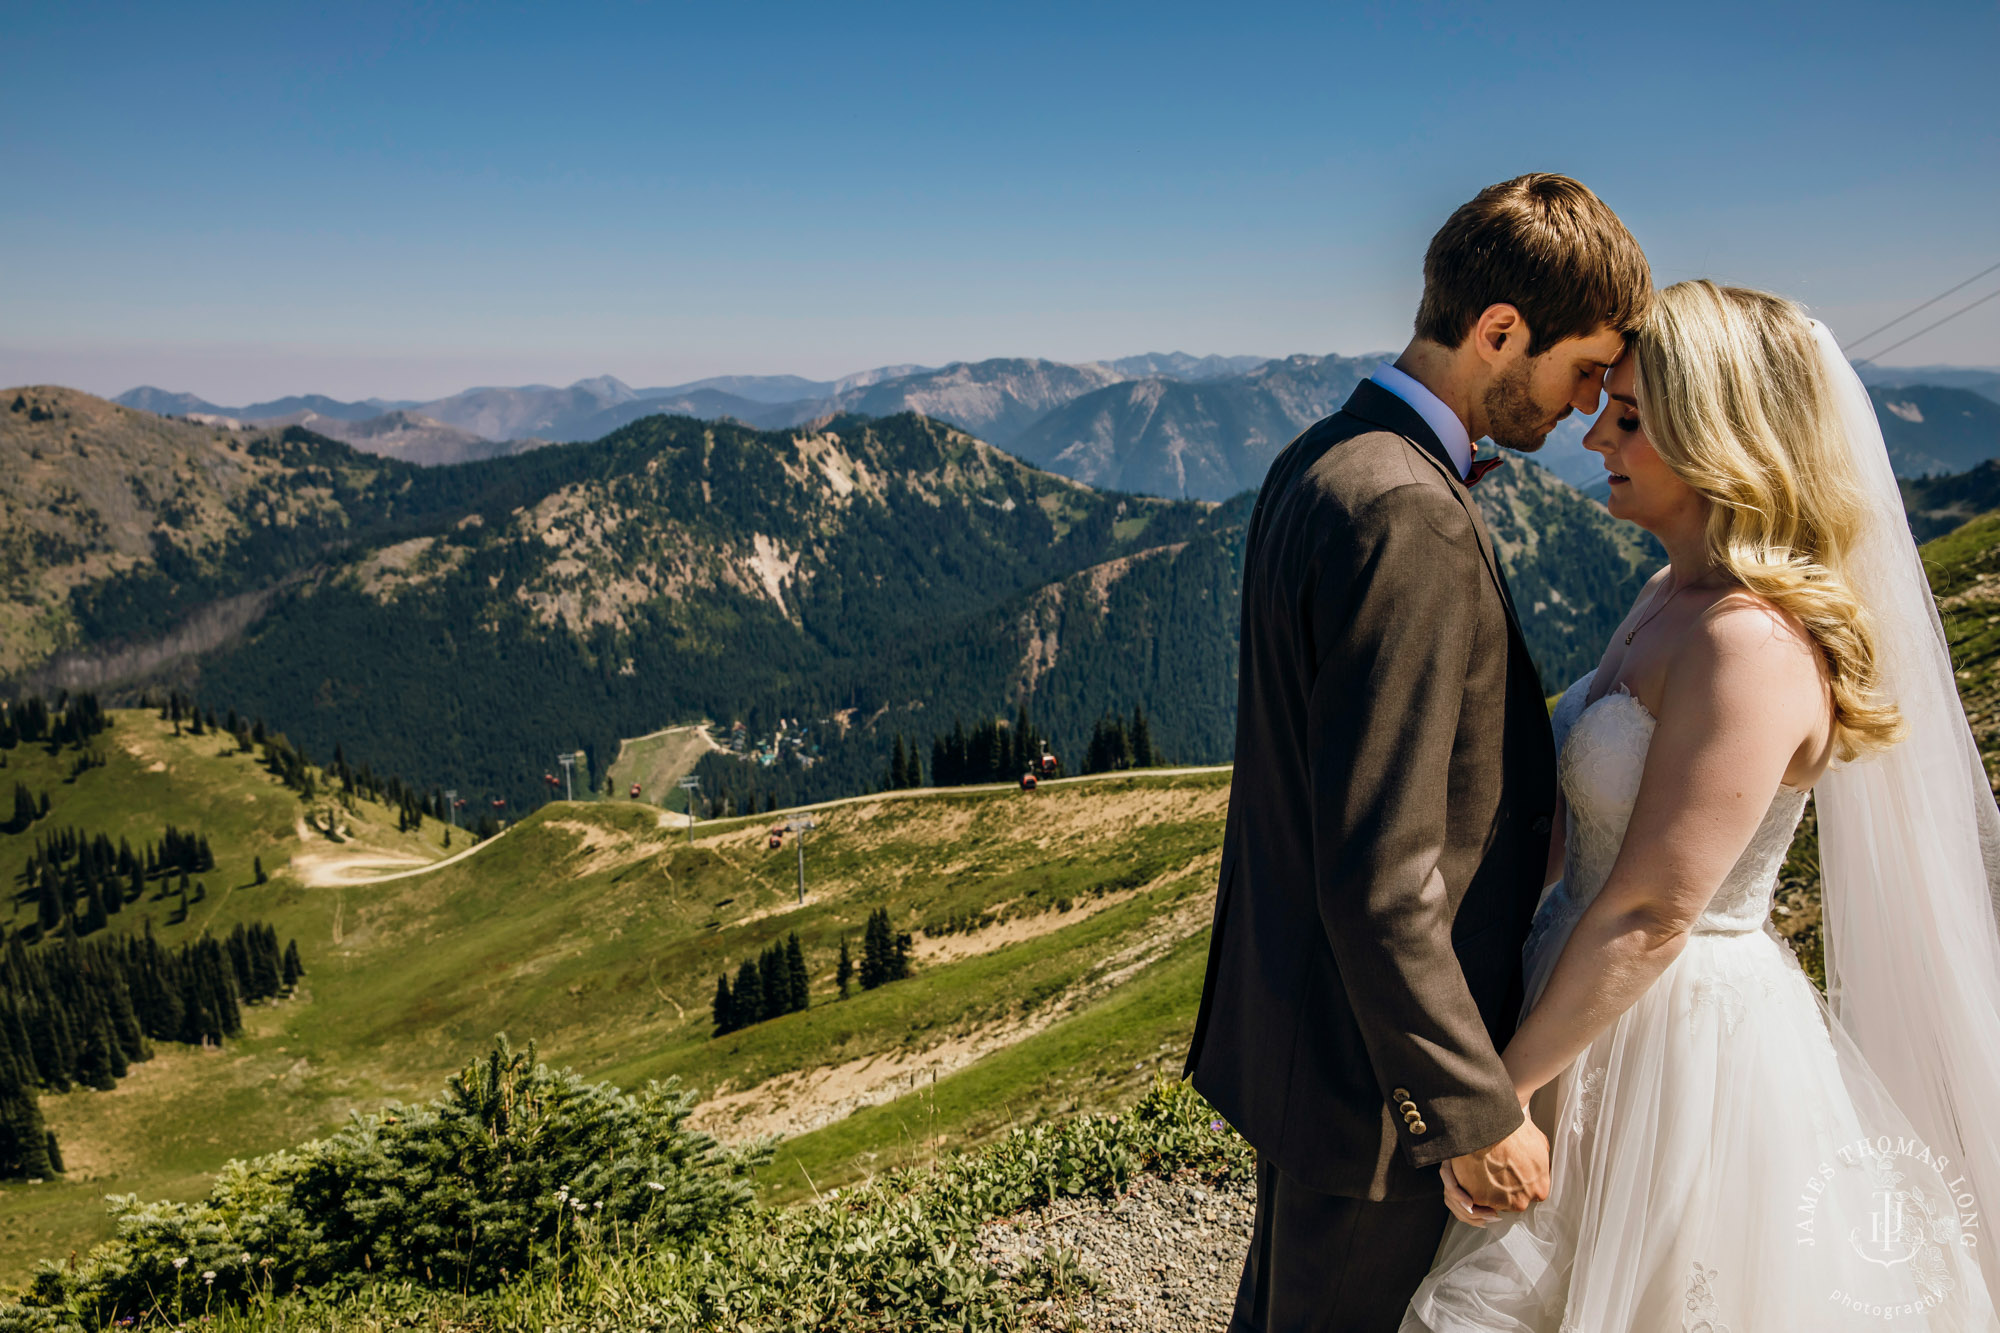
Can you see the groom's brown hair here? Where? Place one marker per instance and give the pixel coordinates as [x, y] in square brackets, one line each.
[1545, 245]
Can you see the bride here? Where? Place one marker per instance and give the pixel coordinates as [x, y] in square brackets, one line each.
[1729, 1153]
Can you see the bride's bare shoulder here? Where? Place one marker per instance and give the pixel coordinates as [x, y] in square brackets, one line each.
[1741, 642]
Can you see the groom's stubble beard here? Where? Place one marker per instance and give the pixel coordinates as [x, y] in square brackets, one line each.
[1514, 420]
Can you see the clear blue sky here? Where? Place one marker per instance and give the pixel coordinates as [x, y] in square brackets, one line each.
[406, 200]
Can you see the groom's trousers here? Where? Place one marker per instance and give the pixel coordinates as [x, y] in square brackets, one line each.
[1327, 1263]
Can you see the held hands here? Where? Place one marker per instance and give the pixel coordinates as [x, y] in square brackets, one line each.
[1506, 1177]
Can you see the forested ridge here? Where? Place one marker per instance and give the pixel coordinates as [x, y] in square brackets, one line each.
[860, 578]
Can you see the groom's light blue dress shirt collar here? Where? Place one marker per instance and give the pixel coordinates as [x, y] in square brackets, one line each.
[1450, 430]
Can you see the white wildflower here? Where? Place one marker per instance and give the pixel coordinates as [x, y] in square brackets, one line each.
[656, 1187]
[181, 1262]
[208, 1275]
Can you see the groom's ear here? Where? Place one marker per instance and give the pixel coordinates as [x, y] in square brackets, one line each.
[1500, 335]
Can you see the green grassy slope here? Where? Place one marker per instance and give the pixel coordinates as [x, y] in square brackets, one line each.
[168, 1125]
[1058, 953]
[1964, 569]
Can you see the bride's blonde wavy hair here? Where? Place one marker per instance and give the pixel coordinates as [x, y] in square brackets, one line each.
[1733, 396]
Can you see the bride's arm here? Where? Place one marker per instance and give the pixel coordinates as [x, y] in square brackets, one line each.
[1742, 695]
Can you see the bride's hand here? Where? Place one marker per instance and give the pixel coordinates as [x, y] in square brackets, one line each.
[1461, 1204]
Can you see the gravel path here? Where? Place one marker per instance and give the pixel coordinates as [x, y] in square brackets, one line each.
[1165, 1256]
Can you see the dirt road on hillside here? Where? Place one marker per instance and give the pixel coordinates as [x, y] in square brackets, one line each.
[329, 867]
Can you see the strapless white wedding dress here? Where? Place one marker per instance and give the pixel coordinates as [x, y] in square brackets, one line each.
[1723, 1161]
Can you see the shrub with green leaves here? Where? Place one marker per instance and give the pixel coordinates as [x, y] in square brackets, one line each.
[512, 1166]
[896, 1255]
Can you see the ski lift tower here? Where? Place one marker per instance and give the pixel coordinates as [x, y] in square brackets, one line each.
[566, 760]
[451, 805]
[690, 784]
[800, 825]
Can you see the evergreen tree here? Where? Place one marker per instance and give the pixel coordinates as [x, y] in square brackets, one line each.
[94, 918]
[885, 954]
[871, 953]
[24, 1139]
[257, 870]
[777, 982]
[24, 809]
[724, 1007]
[93, 1068]
[843, 975]
[795, 966]
[54, 1153]
[1143, 754]
[48, 901]
[749, 995]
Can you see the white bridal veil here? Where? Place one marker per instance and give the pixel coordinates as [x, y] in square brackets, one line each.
[1910, 862]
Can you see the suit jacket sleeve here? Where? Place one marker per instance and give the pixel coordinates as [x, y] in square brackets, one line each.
[1393, 614]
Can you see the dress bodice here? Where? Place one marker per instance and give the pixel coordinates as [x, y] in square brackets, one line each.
[1601, 755]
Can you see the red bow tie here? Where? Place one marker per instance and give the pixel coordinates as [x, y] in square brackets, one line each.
[1479, 468]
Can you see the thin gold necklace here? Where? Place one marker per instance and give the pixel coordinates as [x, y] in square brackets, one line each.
[1655, 612]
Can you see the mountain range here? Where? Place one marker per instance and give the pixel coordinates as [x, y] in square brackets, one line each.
[1166, 424]
[862, 577]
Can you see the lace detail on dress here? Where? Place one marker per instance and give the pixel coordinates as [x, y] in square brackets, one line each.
[1600, 765]
[1589, 1100]
[1717, 994]
[1701, 1311]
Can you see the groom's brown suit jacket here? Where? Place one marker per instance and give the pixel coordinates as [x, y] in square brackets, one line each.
[1388, 818]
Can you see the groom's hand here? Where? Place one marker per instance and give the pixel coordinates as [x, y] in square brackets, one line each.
[1511, 1174]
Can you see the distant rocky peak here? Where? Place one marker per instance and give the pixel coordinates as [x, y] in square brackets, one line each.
[607, 387]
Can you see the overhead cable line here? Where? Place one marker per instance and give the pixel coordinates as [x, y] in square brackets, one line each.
[1928, 327]
[1917, 310]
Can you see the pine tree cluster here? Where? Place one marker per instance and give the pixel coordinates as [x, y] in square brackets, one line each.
[263, 971]
[1118, 743]
[79, 880]
[776, 983]
[885, 955]
[27, 809]
[992, 751]
[72, 720]
[906, 768]
[79, 1015]
[184, 712]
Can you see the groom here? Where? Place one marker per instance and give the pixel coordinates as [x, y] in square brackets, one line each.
[1395, 778]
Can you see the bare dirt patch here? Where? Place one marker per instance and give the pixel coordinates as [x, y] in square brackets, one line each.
[798, 1103]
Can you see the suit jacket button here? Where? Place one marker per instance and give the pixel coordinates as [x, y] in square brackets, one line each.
[1400, 1095]
[1408, 1109]
[1417, 1127]
[1542, 824]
